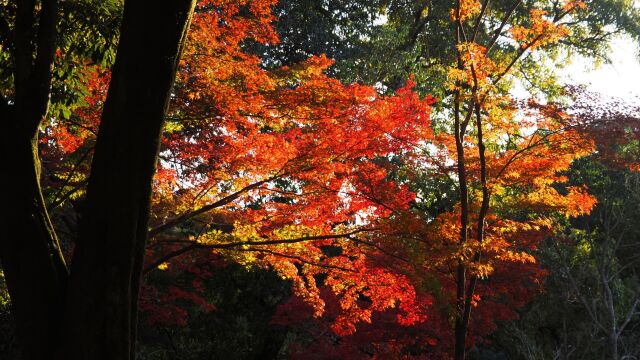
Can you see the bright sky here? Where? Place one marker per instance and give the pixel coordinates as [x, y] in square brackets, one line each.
[621, 78]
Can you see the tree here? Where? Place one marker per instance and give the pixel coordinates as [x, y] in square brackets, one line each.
[293, 147]
[476, 61]
[31, 258]
[519, 159]
[590, 307]
[383, 42]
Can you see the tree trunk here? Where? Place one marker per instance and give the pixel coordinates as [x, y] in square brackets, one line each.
[613, 346]
[461, 279]
[105, 272]
[33, 265]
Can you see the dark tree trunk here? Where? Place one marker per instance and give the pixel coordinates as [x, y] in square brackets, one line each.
[613, 346]
[31, 259]
[105, 273]
[33, 265]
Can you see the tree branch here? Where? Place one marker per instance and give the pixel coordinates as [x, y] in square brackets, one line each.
[231, 245]
[498, 31]
[224, 201]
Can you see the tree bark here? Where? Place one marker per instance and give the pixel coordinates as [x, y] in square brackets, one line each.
[613, 346]
[33, 265]
[460, 330]
[105, 273]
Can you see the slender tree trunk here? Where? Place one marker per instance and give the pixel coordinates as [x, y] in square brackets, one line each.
[105, 273]
[613, 346]
[460, 329]
[484, 208]
[461, 281]
[609, 302]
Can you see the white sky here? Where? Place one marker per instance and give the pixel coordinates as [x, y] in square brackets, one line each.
[621, 78]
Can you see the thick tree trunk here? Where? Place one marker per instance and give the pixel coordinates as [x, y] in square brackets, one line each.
[105, 273]
[31, 259]
[33, 265]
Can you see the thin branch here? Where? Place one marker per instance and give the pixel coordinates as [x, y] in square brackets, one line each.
[234, 244]
[516, 58]
[498, 31]
[476, 27]
[224, 201]
[57, 200]
[297, 258]
[231, 245]
[379, 248]
[170, 256]
[630, 315]
[575, 287]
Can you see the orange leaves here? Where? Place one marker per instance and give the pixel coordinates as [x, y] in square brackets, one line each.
[297, 153]
[305, 127]
[580, 202]
[476, 71]
[542, 31]
[571, 5]
[67, 135]
[223, 18]
[467, 9]
[313, 67]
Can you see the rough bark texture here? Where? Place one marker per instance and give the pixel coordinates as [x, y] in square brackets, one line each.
[105, 273]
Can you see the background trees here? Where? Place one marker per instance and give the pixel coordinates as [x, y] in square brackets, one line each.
[588, 309]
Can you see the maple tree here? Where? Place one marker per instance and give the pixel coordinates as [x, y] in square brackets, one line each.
[507, 156]
[533, 191]
[285, 110]
[287, 168]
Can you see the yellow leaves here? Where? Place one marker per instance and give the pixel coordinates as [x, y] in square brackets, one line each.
[482, 270]
[312, 68]
[583, 248]
[543, 31]
[173, 126]
[468, 9]
[476, 72]
[545, 198]
[245, 232]
[296, 231]
[455, 77]
[164, 266]
[517, 256]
